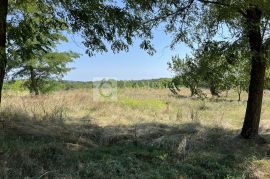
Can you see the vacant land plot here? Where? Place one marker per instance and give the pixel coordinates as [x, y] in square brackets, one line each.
[146, 133]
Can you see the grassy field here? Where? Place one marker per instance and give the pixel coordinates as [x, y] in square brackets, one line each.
[146, 133]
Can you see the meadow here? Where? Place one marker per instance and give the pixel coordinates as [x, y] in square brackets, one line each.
[145, 133]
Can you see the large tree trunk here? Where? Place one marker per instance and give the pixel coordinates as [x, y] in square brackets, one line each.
[3, 37]
[34, 85]
[254, 104]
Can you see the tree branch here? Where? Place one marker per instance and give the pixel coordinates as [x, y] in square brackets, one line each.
[172, 14]
[213, 2]
[223, 4]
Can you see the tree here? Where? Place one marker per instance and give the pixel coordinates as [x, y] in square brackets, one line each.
[224, 66]
[174, 85]
[239, 74]
[3, 37]
[214, 68]
[31, 29]
[187, 70]
[44, 68]
[194, 21]
[213, 65]
[30, 44]
[207, 68]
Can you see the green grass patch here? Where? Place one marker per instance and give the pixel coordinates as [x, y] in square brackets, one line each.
[31, 157]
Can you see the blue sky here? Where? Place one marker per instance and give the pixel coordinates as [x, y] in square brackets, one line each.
[133, 65]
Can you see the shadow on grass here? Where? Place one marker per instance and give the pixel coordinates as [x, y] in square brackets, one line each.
[58, 149]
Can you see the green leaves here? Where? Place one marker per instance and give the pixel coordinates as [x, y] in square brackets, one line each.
[187, 70]
[213, 66]
[105, 23]
[196, 21]
[34, 30]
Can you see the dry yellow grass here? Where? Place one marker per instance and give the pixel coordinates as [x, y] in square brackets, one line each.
[147, 115]
[135, 106]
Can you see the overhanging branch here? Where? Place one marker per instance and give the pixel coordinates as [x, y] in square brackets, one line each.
[224, 4]
[180, 10]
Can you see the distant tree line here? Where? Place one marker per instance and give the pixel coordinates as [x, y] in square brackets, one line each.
[237, 83]
[57, 85]
[153, 83]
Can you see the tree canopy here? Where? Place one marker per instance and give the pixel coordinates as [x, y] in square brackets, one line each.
[104, 23]
[211, 66]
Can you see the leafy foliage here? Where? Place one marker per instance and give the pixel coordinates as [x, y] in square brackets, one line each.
[41, 71]
[197, 21]
[214, 65]
[187, 70]
[104, 22]
[33, 32]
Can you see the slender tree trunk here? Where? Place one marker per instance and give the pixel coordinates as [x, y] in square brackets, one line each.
[3, 39]
[253, 112]
[34, 85]
[239, 95]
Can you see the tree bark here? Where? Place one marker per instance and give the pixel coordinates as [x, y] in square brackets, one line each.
[253, 112]
[34, 86]
[3, 39]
